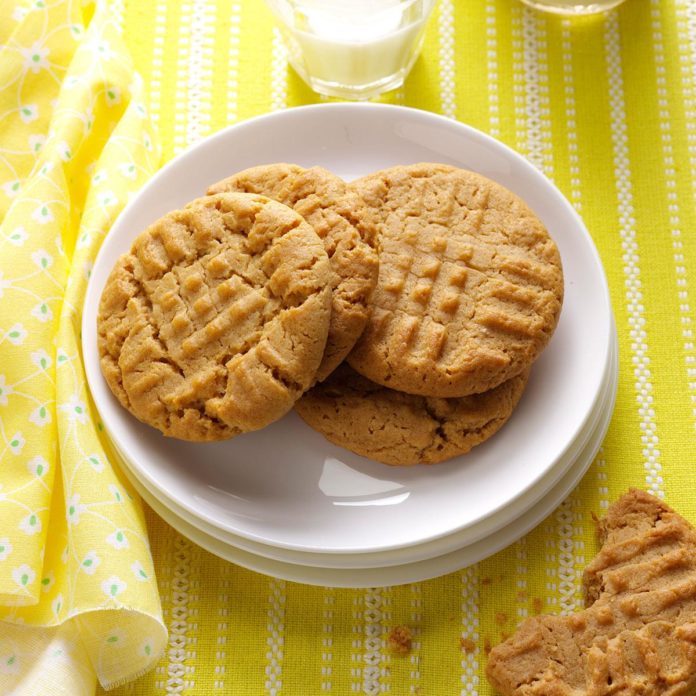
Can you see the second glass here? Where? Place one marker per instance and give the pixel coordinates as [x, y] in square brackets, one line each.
[573, 7]
[356, 49]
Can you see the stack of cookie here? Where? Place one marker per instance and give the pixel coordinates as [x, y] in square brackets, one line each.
[400, 314]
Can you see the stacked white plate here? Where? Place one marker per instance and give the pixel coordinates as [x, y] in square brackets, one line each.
[284, 501]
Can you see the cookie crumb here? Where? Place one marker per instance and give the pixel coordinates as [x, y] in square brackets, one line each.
[467, 645]
[400, 640]
[538, 605]
[501, 618]
[486, 581]
[487, 646]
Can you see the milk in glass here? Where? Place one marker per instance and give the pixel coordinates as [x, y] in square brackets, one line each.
[352, 48]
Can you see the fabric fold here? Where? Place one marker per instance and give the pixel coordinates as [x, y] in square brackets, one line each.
[75, 144]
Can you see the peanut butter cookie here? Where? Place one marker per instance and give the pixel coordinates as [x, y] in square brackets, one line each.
[638, 632]
[341, 220]
[216, 320]
[470, 283]
[403, 429]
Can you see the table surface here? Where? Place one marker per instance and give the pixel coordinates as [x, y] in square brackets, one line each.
[604, 107]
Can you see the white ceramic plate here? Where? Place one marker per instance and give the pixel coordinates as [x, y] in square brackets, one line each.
[286, 485]
[397, 574]
[427, 550]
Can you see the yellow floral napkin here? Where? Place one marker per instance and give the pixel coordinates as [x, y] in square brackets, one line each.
[78, 597]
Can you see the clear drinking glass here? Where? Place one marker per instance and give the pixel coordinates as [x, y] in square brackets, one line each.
[573, 7]
[354, 49]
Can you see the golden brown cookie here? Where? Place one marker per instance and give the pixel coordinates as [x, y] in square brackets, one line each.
[470, 283]
[216, 320]
[638, 632]
[403, 429]
[339, 217]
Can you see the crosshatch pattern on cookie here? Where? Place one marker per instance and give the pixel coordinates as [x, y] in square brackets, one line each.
[638, 632]
[470, 283]
[216, 321]
[348, 231]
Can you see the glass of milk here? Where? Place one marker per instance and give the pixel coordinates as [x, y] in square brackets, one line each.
[354, 49]
[573, 7]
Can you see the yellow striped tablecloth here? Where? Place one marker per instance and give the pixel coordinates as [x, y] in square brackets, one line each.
[605, 107]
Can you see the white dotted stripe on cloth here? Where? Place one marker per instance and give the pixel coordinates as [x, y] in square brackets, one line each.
[688, 78]
[602, 478]
[386, 655]
[327, 629]
[518, 79]
[560, 564]
[223, 612]
[570, 115]
[200, 70]
[629, 244]
[275, 639]
[194, 615]
[550, 567]
[159, 30]
[531, 58]
[182, 68]
[492, 68]
[416, 618]
[373, 643]
[538, 143]
[356, 643]
[570, 555]
[686, 32]
[448, 103]
[469, 579]
[165, 587]
[233, 63]
[521, 569]
[179, 618]
[570, 545]
[279, 72]
[687, 11]
[161, 668]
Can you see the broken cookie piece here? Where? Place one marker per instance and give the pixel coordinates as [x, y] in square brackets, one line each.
[637, 634]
